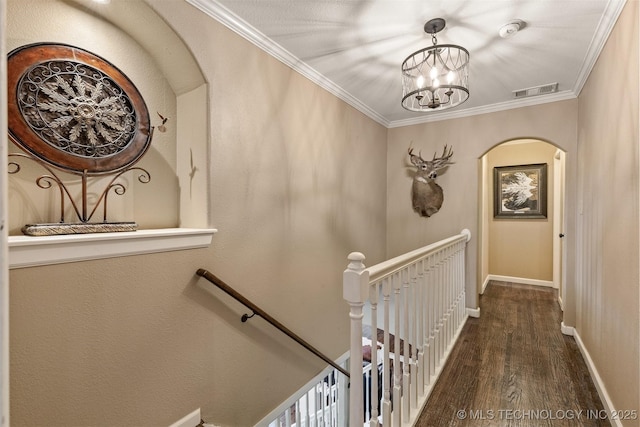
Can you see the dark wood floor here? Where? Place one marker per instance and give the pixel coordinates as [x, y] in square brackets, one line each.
[513, 367]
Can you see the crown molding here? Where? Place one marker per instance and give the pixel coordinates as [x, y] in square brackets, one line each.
[241, 27]
[474, 111]
[235, 23]
[608, 20]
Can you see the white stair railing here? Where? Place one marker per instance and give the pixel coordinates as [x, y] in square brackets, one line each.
[412, 308]
[411, 305]
[322, 402]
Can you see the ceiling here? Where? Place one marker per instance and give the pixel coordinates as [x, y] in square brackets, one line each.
[354, 48]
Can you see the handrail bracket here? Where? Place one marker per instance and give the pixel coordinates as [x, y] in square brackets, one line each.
[246, 317]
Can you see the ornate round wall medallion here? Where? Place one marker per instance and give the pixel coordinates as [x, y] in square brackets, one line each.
[75, 110]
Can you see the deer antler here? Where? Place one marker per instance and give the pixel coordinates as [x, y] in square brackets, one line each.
[413, 155]
[416, 160]
[443, 160]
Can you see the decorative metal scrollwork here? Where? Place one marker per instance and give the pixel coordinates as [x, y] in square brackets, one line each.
[72, 110]
[76, 108]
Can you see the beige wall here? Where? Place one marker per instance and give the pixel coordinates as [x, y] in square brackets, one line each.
[607, 296]
[297, 181]
[471, 138]
[521, 247]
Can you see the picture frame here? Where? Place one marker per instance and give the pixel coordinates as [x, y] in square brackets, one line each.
[520, 191]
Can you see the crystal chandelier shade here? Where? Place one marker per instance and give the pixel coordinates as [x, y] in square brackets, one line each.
[436, 77]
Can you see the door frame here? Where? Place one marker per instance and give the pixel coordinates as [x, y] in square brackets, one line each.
[557, 216]
[558, 225]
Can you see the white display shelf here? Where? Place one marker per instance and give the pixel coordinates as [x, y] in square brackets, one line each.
[28, 251]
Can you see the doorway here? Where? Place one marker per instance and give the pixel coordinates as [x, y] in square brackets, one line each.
[523, 249]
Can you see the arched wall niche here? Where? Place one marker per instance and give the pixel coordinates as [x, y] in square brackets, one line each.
[172, 210]
[129, 34]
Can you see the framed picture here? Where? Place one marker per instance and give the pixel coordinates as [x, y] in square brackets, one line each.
[520, 191]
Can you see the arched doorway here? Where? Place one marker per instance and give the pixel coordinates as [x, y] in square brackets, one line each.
[524, 249]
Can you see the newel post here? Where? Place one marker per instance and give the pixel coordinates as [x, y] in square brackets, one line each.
[354, 290]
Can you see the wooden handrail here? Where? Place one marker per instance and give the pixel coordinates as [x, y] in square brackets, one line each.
[257, 310]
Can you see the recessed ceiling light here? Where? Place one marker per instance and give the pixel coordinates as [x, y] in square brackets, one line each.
[102, 1]
[509, 30]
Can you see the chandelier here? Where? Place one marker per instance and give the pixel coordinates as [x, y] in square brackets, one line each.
[436, 77]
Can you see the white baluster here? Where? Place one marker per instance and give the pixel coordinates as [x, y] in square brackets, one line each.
[373, 298]
[329, 403]
[443, 302]
[460, 279]
[420, 307]
[436, 306]
[427, 322]
[355, 284]
[406, 378]
[463, 303]
[397, 390]
[287, 418]
[324, 394]
[441, 305]
[463, 284]
[447, 302]
[304, 409]
[411, 337]
[445, 299]
[336, 401]
[454, 293]
[386, 371]
[367, 396]
[431, 316]
[454, 290]
[449, 289]
[320, 405]
[297, 413]
[343, 398]
[456, 285]
[316, 421]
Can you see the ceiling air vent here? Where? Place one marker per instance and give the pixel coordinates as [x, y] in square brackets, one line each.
[535, 91]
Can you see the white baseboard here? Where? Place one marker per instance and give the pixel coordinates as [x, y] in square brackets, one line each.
[522, 280]
[484, 285]
[602, 391]
[567, 330]
[473, 312]
[191, 420]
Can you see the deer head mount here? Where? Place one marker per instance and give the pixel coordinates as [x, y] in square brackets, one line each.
[426, 195]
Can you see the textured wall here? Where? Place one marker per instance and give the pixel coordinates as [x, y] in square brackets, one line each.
[608, 283]
[521, 248]
[471, 138]
[297, 181]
